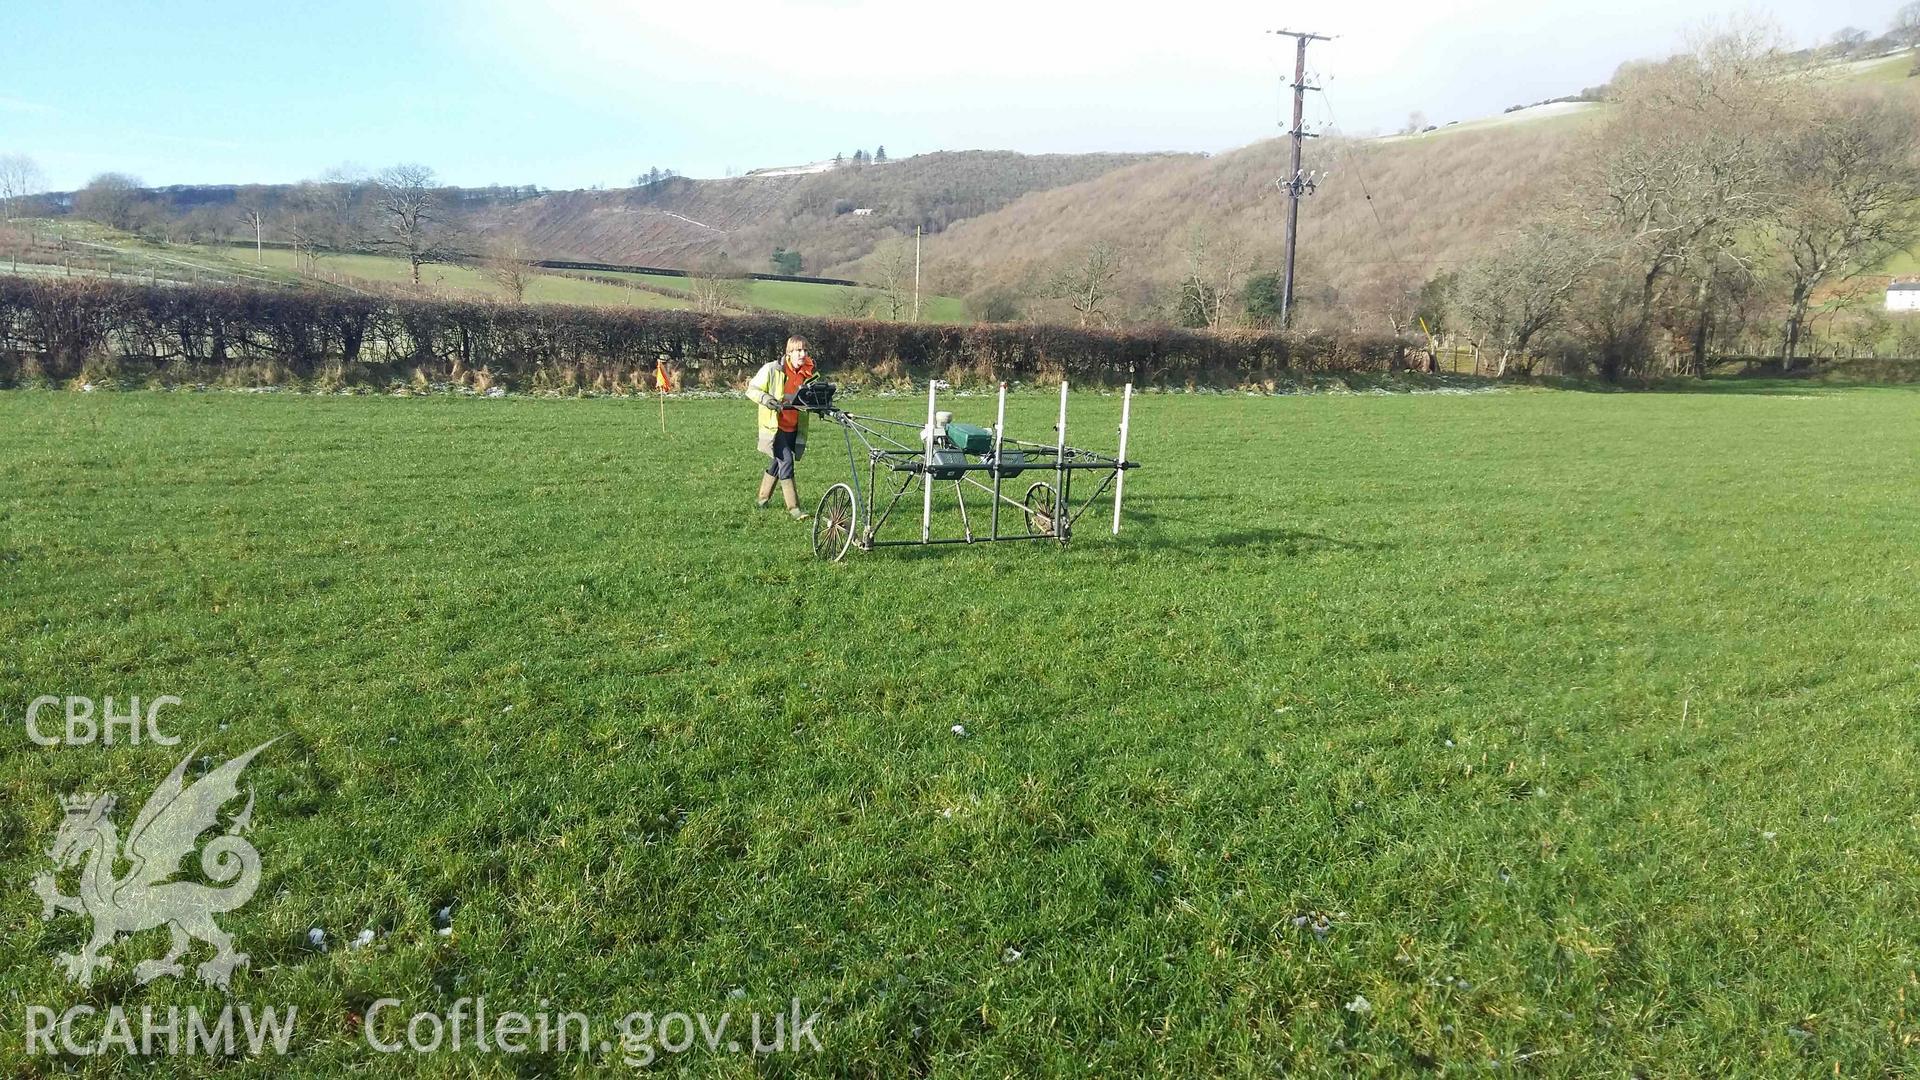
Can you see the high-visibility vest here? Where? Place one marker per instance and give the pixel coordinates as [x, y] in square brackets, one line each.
[766, 388]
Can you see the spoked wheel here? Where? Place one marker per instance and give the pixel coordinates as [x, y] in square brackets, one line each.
[834, 523]
[1040, 510]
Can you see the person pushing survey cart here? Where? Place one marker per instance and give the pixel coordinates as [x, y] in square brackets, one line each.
[887, 459]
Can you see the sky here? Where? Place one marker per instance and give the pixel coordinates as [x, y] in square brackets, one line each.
[577, 93]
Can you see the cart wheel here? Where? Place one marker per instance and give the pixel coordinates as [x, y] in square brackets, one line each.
[1040, 510]
[833, 523]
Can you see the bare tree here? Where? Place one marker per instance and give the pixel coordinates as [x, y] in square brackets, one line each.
[1391, 291]
[20, 180]
[1906, 25]
[1688, 169]
[301, 219]
[855, 303]
[1852, 202]
[112, 199]
[1906, 30]
[890, 271]
[1215, 269]
[411, 219]
[1088, 286]
[1848, 40]
[321, 216]
[1506, 300]
[510, 266]
[205, 224]
[339, 208]
[251, 208]
[717, 287]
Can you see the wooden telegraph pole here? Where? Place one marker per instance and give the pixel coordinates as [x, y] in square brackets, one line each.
[1297, 183]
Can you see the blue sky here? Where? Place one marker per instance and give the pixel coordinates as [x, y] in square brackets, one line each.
[581, 92]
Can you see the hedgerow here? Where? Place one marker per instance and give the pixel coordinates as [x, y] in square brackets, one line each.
[59, 330]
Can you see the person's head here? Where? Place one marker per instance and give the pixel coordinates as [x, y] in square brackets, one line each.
[796, 351]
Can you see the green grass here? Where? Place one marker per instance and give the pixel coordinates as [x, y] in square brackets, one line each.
[100, 247]
[1587, 721]
[798, 297]
[1893, 70]
[543, 288]
[1905, 263]
[810, 298]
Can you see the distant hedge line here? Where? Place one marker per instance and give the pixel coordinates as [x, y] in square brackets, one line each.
[64, 329]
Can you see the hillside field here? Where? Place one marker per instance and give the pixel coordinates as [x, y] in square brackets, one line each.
[1504, 732]
[99, 246]
[795, 297]
[805, 297]
[447, 277]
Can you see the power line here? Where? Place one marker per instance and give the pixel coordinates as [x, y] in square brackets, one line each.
[1385, 233]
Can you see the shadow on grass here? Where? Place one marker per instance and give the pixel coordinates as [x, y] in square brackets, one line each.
[1776, 387]
[1150, 534]
[1735, 385]
[1291, 541]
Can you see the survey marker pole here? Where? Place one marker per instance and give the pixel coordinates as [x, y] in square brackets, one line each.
[1120, 479]
[999, 430]
[926, 501]
[1060, 462]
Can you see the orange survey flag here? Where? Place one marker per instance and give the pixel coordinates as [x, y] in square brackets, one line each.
[662, 382]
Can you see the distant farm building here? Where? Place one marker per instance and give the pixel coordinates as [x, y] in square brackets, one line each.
[1901, 296]
[863, 211]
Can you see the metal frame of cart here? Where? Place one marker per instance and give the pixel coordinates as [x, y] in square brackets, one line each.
[852, 514]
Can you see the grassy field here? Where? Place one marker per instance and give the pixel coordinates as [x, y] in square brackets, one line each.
[542, 289]
[127, 253]
[1905, 263]
[798, 297]
[1538, 733]
[1891, 71]
[808, 298]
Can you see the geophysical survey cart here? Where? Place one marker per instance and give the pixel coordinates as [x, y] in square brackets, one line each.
[901, 455]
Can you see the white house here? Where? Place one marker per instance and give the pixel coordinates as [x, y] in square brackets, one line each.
[1903, 296]
[864, 211]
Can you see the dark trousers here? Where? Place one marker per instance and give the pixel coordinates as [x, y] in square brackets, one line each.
[781, 467]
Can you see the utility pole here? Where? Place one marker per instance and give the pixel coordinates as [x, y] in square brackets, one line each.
[916, 273]
[1297, 182]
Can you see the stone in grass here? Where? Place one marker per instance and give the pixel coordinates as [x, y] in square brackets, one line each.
[959, 729]
[1320, 924]
[361, 940]
[317, 939]
[1359, 1006]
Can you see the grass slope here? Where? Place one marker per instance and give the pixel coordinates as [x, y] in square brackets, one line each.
[806, 297]
[279, 265]
[1584, 750]
[542, 288]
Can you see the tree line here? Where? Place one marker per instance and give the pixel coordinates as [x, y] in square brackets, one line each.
[1725, 192]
